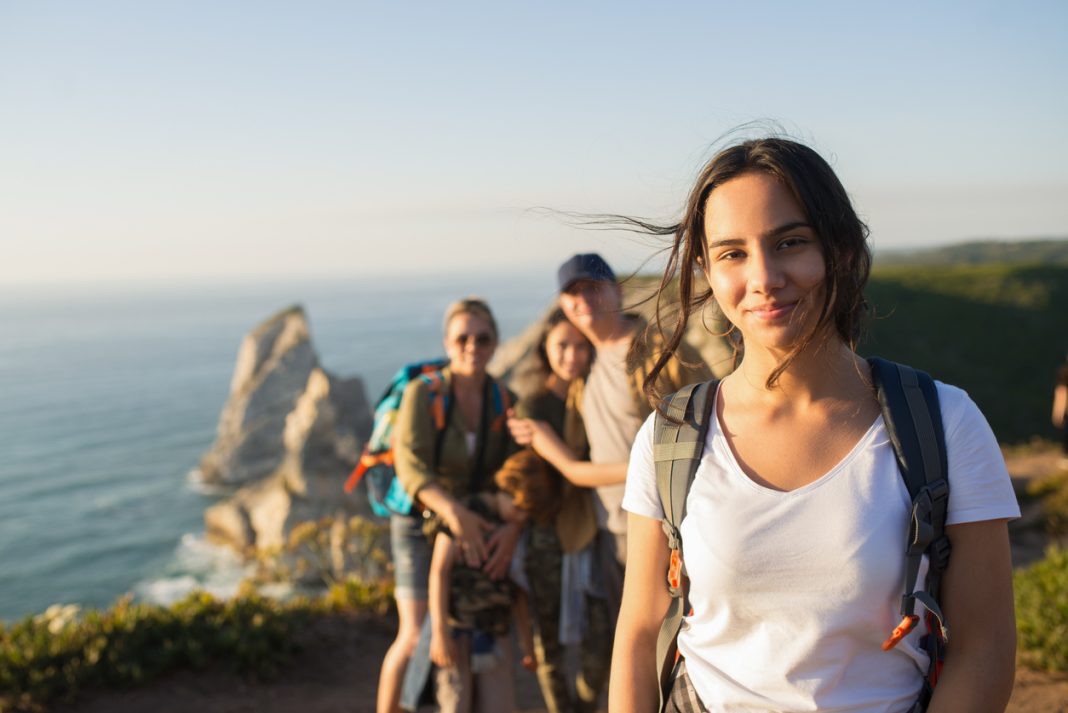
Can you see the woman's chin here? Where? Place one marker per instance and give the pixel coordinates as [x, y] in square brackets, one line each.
[468, 368]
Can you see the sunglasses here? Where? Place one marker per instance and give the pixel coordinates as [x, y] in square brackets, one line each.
[482, 339]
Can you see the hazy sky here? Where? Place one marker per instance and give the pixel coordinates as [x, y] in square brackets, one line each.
[176, 140]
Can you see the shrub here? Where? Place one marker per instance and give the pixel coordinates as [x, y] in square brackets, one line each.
[1042, 611]
[56, 654]
[355, 594]
[1053, 490]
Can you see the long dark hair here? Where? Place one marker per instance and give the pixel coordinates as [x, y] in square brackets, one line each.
[555, 317]
[826, 205]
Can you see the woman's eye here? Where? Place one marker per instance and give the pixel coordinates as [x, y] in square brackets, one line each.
[792, 241]
[730, 255]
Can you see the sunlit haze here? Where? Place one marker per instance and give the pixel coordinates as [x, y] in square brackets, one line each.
[203, 140]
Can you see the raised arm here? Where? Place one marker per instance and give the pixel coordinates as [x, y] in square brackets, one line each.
[540, 436]
[634, 686]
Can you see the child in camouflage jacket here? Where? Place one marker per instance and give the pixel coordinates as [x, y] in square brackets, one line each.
[471, 614]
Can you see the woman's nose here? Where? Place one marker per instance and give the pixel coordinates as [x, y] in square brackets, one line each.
[764, 272]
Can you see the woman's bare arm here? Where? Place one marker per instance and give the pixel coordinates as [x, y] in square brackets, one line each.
[1060, 403]
[978, 604]
[466, 526]
[540, 436]
[634, 684]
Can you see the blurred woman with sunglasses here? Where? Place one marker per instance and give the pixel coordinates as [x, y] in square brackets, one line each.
[439, 469]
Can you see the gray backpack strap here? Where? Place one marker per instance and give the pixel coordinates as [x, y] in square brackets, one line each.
[913, 417]
[678, 443]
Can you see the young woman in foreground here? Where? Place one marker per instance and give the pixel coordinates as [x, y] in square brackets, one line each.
[794, 537]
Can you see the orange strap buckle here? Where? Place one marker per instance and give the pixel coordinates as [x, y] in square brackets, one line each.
[674, 575]
[901, 631]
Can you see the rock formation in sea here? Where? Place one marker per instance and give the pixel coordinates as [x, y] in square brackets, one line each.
[289, 434]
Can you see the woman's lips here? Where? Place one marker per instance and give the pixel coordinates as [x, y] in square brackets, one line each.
[773, 311]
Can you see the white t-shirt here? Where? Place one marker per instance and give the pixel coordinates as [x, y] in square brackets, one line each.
[794, 592]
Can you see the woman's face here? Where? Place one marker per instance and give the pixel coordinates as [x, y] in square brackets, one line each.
[765, 262]
[469, 344]
[568, 351]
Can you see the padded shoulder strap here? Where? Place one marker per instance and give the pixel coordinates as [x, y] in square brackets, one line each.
[678, 443]
[909, 400]
[913, 418]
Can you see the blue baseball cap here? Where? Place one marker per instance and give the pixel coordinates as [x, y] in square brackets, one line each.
[584, 266]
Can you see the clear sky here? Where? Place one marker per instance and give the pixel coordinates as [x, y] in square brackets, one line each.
[203, 140]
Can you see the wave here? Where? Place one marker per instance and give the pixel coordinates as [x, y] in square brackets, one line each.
[197, 565]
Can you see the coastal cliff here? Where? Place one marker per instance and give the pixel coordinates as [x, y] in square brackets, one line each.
[288, 435]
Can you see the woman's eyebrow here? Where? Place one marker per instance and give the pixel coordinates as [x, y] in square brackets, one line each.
[773, 233]
[786, 228]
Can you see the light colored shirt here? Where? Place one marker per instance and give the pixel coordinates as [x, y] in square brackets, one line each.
[794, 592]
[612, 416]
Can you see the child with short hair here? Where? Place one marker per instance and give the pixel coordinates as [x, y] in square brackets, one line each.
[471, 614]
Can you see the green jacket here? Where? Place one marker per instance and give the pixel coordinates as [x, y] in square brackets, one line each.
[415, 438]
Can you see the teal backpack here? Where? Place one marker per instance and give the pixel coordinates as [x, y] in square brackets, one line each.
[909, 402]
[384, 491]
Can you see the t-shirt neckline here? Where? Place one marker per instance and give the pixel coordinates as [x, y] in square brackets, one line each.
[719, 439]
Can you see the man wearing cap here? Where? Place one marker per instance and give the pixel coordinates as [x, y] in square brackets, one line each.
[611, 401]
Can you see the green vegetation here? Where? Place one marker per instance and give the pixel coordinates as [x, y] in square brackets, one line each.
[59, 653]
[996, 330]
[55, 655]
[1042, 612]
[1053, 491]
[1037, 252]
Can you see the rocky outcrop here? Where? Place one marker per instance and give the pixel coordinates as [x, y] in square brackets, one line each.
[273, 366]
[290, 432]
[292, 443]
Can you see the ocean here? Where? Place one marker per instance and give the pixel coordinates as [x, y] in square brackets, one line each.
[109, 396]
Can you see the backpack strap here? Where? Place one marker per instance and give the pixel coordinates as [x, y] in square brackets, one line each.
[502, 401]
[441, 403]
[913, 418]
[678, 443]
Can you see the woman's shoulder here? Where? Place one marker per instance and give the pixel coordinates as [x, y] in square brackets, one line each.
[421, 389]
[539, 398]
[956, 405]
[417, 388]
[541, 405]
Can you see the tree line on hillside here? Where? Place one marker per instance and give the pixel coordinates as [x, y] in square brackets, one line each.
[1049, 251]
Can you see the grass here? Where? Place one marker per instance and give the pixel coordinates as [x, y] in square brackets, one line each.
[1042, 612]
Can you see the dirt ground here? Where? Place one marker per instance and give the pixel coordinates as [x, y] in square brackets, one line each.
[337, 673]
[338, 668]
